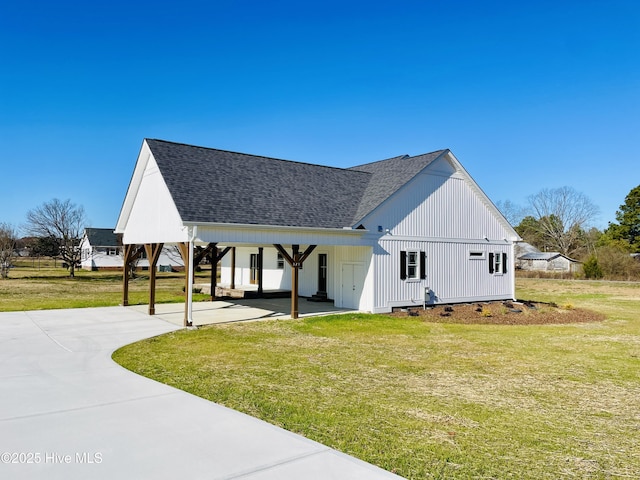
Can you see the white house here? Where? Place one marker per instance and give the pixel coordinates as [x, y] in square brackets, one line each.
[100, 250]
[391, 233]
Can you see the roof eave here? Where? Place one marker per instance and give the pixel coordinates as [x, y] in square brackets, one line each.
[248, 226]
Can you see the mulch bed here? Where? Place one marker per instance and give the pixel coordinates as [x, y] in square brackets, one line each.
[503, 313]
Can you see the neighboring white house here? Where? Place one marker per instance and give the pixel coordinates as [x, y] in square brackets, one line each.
[391, 233]
[100, 251]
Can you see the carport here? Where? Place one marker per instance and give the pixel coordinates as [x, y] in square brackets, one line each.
[207, 202]
[239, 310]
[192, 254]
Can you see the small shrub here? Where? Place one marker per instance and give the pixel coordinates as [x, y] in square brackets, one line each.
[193, 290]
[591, 268]
[486, 312]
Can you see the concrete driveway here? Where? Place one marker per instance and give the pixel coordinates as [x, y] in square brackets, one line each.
[68, 411]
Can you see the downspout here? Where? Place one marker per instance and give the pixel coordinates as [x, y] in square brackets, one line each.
[513, 269]
[193, 232]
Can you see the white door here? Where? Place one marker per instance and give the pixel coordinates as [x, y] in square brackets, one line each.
[352, 280]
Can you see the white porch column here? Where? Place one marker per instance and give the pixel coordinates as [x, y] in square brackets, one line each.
[189, 317]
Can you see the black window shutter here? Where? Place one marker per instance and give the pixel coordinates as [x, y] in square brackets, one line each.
[504, 263]
[403, 265]
[423, 265]
[491, 263]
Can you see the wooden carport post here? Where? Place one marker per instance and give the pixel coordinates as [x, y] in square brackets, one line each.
[233, 268]
[295, 262]
[130, 253]
[260, 265]
[127, 256]
[215, 258]
[153, 254]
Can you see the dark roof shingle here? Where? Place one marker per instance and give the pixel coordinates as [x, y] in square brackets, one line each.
[218, 186]
[101, 237]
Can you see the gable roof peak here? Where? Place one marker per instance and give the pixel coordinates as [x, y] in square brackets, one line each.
[388, 176]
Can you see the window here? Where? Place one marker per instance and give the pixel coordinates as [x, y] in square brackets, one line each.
[497, 263]
[476, 255]
[413, 265]
[280, 261]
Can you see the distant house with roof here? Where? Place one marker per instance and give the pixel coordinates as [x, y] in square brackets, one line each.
[100, 250]
[530, 258]
[393, 233]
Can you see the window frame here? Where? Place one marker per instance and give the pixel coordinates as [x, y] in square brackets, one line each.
[415, 265]
[497, 263]
[419, 264]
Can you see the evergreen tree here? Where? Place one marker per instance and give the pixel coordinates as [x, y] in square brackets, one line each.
[627, 230]
[591, 268]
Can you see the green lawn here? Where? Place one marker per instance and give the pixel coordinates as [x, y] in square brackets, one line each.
[429, 400]
[34, 285]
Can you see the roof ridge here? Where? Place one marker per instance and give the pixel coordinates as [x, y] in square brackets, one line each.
[400, 157]
[252, 155]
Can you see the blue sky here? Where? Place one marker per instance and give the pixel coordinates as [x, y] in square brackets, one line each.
[527, 95]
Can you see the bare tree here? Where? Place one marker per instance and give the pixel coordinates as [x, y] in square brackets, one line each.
[63, 221]
[563, 214]
[8, 239]
[512, 212]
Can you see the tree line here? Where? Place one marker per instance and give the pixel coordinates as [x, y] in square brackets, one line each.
[559, 220]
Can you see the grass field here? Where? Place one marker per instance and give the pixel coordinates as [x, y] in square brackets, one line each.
[425, 400]
[430, 400]
[34, 285]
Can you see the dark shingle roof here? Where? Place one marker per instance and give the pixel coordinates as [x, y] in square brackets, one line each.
[101, 237]
[217, 186]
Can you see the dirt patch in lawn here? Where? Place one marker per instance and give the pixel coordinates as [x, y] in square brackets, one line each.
[503, 313]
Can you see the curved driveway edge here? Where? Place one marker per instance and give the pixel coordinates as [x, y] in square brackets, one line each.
[68, 411]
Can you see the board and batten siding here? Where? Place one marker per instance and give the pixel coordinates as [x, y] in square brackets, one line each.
[438, 207]
[263, 235]
[274, 278]
[452, 274]
[446, 216]
[154, 217]
[338, 258]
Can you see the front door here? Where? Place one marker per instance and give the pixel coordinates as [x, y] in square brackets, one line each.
[352, 279]
[322, 274]
[253, 269]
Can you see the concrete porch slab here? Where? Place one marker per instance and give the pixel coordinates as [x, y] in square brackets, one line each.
[227, 311]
